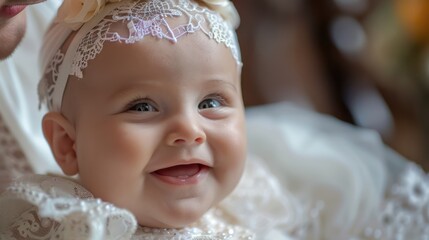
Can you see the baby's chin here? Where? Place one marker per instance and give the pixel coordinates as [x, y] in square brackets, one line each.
[175, 220]
[168, 224]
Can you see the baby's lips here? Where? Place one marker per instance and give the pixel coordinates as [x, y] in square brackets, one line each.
[22, 2]
[180, 170]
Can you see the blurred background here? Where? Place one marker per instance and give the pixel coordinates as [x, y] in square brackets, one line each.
[365, 62]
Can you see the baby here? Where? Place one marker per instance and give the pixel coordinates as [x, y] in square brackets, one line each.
[145, 107]
[151, 117]
[146, 116]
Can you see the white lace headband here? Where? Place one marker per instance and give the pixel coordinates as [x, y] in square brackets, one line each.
[92, 20]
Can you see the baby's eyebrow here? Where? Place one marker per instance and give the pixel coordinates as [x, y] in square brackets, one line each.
[147, 86]
[220, 82]
[131, 88]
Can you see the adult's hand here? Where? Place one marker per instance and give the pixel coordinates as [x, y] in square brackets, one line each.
[12, 24]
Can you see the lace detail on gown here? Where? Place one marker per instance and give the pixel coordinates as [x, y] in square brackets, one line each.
[43, 207]
[30, 226]
[275, 212]
[405, 211]
[212, 226]
[12, 160]
[30, 205]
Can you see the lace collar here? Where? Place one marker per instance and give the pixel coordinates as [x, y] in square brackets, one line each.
[43, 207]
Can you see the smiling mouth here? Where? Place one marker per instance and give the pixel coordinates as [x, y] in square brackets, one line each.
[181, 174]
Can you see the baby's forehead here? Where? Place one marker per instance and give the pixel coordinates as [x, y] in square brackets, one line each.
[156, 59]
[152, 68]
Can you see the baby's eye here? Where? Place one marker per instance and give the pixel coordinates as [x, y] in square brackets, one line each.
[209, 103]
[142, 107]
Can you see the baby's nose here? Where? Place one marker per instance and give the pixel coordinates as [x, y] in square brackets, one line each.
[186, 131]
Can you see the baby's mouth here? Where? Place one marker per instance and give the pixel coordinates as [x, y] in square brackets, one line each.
[180, 171]
[181, 174]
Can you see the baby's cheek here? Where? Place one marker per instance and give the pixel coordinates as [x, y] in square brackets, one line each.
[106, 143]
[130, 145]
[238, 148]
[231, 154]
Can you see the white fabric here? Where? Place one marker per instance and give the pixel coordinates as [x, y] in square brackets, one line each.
[30, 204]
[323, 161]
[36, 201]
[19, 76]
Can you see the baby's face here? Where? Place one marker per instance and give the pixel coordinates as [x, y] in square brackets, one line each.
[160, 127]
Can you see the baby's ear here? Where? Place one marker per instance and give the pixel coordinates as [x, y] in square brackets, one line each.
[60, 134]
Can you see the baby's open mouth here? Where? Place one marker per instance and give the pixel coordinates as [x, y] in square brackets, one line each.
[181, 174]
[181, 171]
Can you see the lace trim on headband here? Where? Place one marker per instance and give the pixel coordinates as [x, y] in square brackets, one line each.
[150, 19]
[142, 18]
[46, 86]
